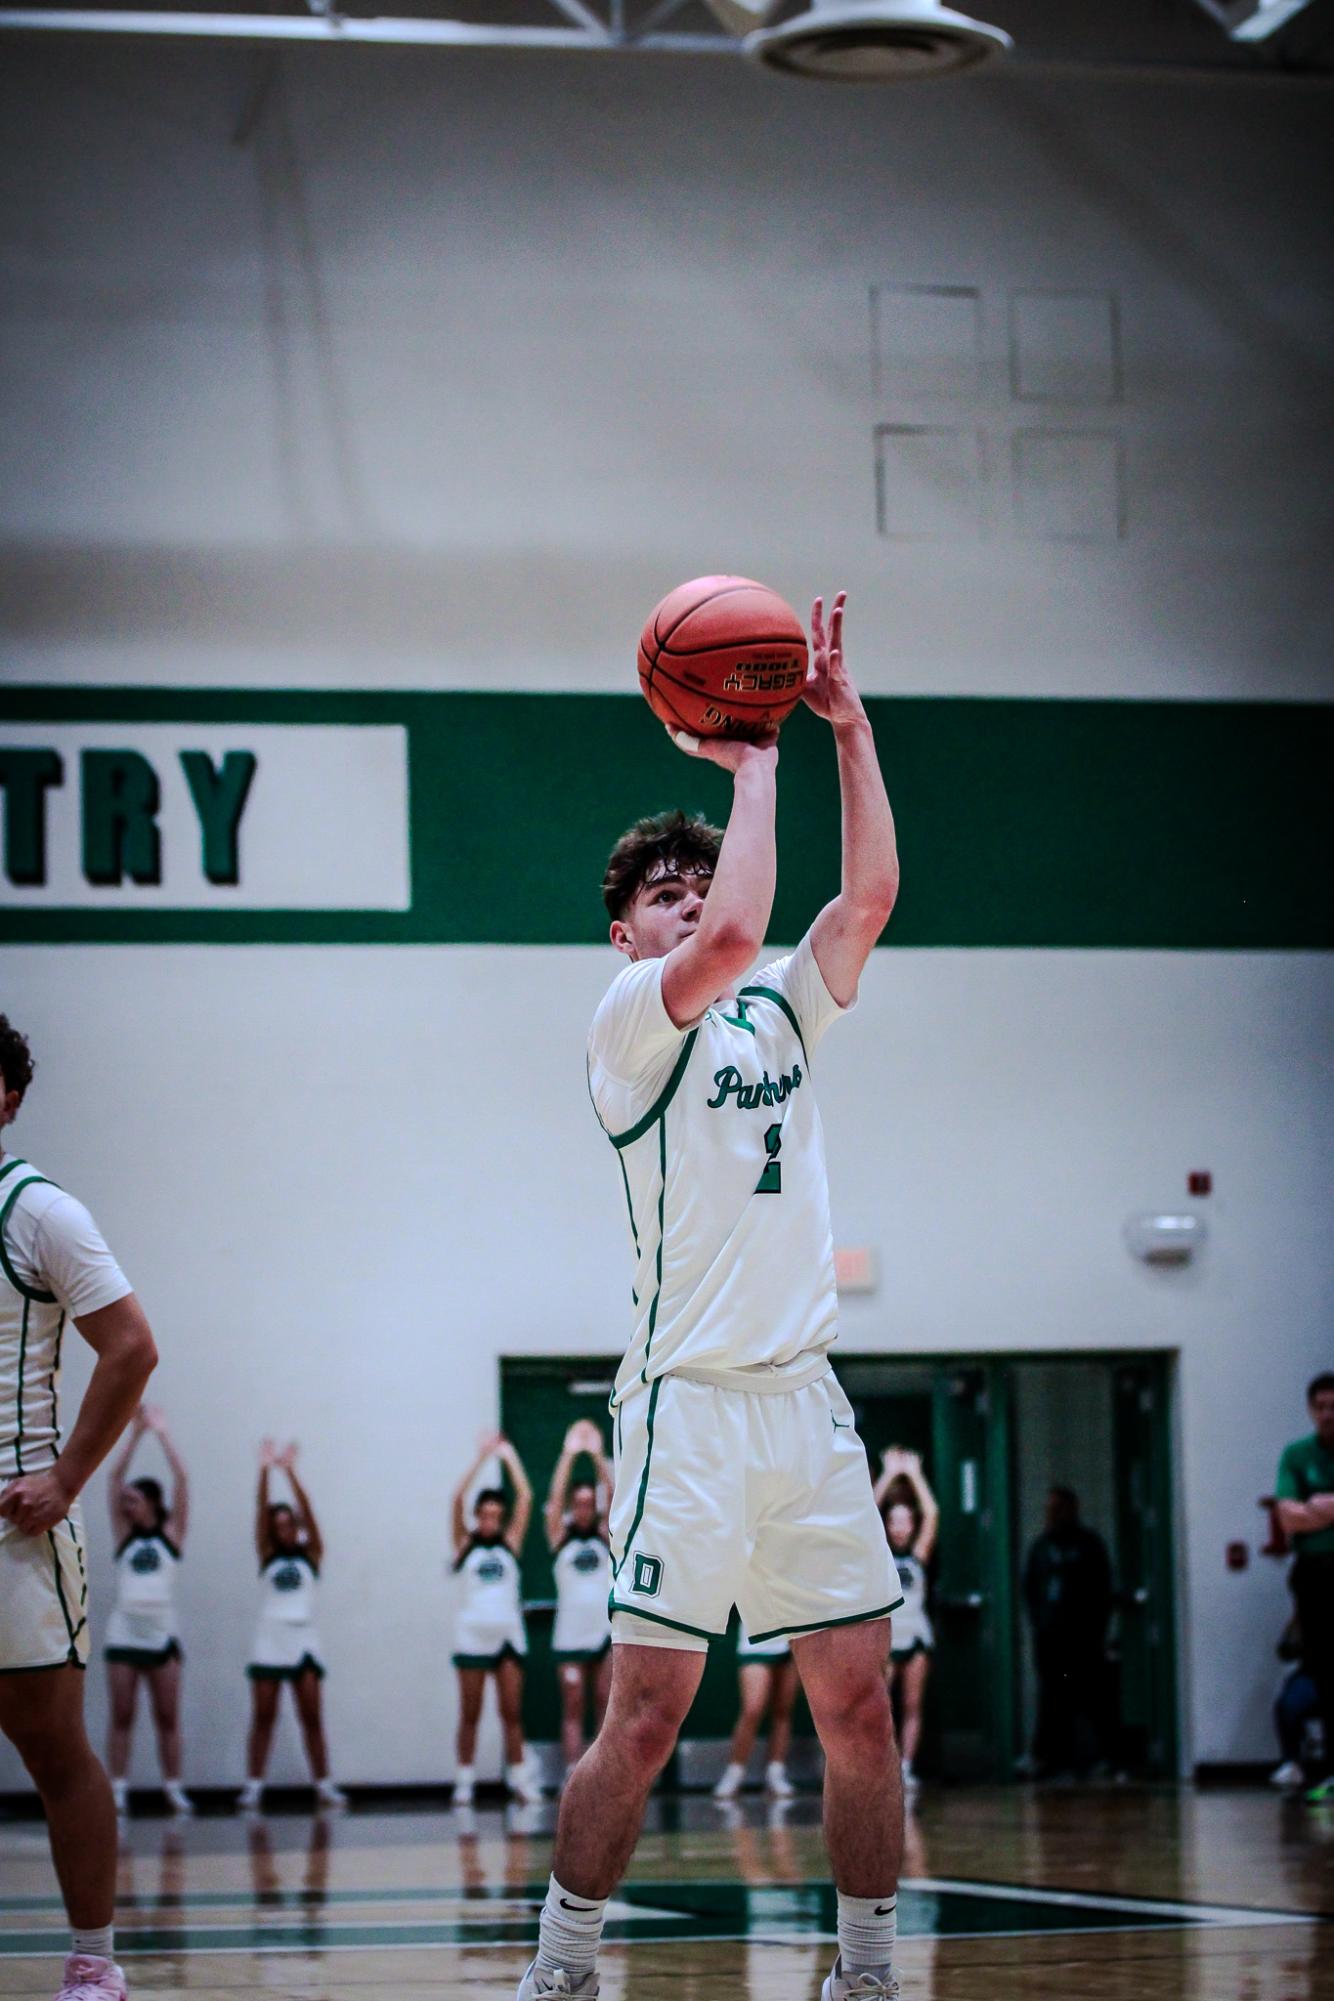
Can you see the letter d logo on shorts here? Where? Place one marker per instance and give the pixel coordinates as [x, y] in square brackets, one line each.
[648, 1576]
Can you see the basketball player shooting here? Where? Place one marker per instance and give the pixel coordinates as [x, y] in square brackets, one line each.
[739, 1476]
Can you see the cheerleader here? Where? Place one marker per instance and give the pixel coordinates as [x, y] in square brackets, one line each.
[576, 1513]
[912, 1518]
[286, 1646]
[768, 1678]
[489, 1635]
[143, 1639]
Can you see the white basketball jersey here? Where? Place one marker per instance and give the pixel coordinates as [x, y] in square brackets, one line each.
[722, 1155]
[53, 1263]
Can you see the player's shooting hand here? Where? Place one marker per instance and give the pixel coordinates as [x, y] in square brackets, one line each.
[829, 690]
[728, 751]
[35, 1502]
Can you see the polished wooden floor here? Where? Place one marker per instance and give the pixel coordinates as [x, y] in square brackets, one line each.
[1080, 1895]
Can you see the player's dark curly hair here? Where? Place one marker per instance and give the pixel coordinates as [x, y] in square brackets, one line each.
[16, 1064]
[687, 841]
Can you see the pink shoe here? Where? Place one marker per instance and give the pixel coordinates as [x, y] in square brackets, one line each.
[88, 1978]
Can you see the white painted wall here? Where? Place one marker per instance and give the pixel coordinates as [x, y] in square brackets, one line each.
[346, 1181]
[449, 374]
[441, 382]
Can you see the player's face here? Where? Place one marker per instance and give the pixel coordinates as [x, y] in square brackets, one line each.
[666, 910]
[900, 1526]
[490, 1520]
[584, 1509]
[136, 1507]
[1322, 1413]
[283, 1528]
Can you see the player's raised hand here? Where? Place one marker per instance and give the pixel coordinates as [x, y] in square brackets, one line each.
[829, 689]
[728, 751]
[268, 1453]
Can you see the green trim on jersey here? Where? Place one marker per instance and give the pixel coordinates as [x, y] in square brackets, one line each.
[70, 1627]
[662, 1232]
[770, 993]
[656, 1618]
[634, 1227]
[18, 1402]
[27, 1291]
[824, 1625]
[643, 1478]
[661, 1102]
[16, 1161]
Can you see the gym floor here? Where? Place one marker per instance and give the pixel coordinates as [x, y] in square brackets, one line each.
[1115, 1895]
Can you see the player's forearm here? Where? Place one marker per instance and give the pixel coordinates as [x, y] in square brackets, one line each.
[114, 1393]
[1304, 1517]
[870, 880]
[741, 895]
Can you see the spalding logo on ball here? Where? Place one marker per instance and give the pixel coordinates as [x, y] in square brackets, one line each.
[723, 656]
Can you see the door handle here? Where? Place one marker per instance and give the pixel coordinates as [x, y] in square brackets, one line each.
[1140, 1596]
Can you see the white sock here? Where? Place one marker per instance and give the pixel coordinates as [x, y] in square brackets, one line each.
[570, 1931]
[867, 1929]
[99, 1944]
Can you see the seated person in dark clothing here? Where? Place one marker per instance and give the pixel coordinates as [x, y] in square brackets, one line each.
[1295, 1706]
[1068, 1593]
[1305, 1509]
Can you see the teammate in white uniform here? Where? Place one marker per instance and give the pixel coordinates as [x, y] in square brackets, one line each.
[490, 1638]
[767, 1676]
[54, 1268]
[143, 1638]
[286, 1646]
[739, 1476]
[912, 1519]
[576, 1514]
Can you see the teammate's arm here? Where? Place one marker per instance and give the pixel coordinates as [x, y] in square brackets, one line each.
[120, 1337]
[523, 1497]
[736, 911]
[117, 1471]
[846, 930]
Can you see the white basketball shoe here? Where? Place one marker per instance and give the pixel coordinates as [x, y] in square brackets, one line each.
[537, 1985]
[841, 1986]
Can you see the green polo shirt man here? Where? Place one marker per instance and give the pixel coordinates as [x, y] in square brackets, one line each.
[1305, 1494]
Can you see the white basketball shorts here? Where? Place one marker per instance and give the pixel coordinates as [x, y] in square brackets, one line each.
[757, 1499]
[43, 1597]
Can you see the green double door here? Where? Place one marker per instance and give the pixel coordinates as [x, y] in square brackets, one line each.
[993, 1433]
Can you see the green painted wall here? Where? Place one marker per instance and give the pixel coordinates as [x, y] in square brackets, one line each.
[1198, 826]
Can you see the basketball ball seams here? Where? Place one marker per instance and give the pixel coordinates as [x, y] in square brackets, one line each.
[727, 591]
[712, 646]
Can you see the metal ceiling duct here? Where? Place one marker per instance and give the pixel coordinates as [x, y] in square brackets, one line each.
[864, 41]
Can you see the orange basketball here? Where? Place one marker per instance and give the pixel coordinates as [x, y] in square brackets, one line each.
[722, 656]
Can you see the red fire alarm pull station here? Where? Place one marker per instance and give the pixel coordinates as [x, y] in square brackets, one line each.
[1199, 1182]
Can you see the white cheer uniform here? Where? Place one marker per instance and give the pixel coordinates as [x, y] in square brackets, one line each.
[142, 1629]
[54, 1266]
[286, 1642]
[582, 1567]
[912, 1632]
[490, 1621]
[740, 1479]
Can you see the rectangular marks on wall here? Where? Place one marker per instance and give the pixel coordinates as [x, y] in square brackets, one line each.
[993, 413]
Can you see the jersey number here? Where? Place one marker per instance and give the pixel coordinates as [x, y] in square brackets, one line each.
[771, 1181]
